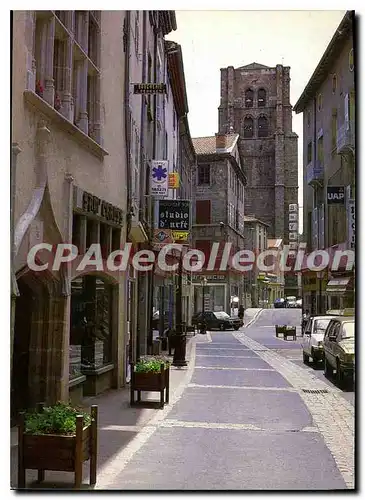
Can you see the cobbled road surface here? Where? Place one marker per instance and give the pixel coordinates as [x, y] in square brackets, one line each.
[251, 417]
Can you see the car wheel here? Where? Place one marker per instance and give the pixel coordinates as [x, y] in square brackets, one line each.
[314, 359]
[221, 327]
[327, 368]
[339, 374]
[236, 327]
[305, 358]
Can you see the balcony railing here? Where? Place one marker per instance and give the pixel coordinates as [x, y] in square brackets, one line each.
[346, 138]
[315, 173]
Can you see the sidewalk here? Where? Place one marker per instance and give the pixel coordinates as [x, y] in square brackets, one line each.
[118, 425]
[250, 314]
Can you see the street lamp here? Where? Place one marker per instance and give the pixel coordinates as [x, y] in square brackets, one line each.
[204, 284]
[180, 337]
[203, 328]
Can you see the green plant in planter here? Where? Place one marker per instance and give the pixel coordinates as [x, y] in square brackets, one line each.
[57, 419]
[151, 364]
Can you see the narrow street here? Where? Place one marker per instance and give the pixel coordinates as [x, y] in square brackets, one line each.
[250, 418]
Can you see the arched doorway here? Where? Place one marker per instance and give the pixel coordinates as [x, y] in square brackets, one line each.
[20, 362]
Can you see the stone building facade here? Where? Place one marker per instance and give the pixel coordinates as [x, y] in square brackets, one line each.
[328, 107]
[255, 103]
[69, 185]
[218, 216]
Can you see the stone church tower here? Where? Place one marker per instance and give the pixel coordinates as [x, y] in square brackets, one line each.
[255, 103]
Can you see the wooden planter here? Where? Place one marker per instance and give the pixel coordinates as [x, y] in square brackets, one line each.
[57, 452]
[150, 382]
[287, 331]
[279, 329]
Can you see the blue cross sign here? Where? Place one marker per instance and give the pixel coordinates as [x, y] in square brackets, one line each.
[159, 173]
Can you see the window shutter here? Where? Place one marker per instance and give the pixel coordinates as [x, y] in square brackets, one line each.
[347, 123]
[205, 247]
[202, 212]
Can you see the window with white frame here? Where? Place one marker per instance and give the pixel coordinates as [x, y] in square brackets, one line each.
[66, 65]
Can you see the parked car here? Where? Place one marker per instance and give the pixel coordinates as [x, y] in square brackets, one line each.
[291, 302]
[339, 348]
[299, 303]
[217, 320]
[279, 303]
[312, 342]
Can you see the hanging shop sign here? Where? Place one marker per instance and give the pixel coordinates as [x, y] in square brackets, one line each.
[173, 214]
[162, 236]
[335, 195]
[174, 180]
[150, 88]
[88, 203]
[180, 235]
[293, 224]
[159, 177]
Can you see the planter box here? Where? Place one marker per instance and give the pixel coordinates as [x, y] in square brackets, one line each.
[151, 382]
[57, 452]
[286, 331]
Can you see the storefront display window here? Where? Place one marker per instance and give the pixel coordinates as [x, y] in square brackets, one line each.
[90, 329]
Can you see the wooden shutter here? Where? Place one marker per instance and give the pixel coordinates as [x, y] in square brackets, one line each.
[202, 212]
[204, 246]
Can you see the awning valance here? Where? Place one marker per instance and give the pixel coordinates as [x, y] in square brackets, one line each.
[338, 286]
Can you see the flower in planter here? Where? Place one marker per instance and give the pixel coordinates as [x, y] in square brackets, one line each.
[57, 419]
[39, 89]
[151, 364]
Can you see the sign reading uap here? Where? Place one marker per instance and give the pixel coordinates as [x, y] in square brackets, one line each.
[159, 178]
[335, 195]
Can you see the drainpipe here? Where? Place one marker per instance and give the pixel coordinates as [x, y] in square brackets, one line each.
[319, 276]
[13, 284]
[151, 214]
[128, 133]
[127, 127]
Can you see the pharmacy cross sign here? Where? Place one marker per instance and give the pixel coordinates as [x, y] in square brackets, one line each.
[159, 173]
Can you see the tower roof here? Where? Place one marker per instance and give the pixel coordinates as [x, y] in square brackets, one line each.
[254, 65]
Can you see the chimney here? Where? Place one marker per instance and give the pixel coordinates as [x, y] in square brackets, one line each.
[220, 141]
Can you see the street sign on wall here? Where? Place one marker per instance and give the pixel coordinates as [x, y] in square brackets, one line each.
[159, 179]
[335, 195]
[173, 214]
[150, 88]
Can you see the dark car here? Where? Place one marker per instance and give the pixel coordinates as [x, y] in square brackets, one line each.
[279, 303]
[217, 320]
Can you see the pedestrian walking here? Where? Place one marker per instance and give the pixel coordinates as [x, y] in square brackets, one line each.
[241, 312]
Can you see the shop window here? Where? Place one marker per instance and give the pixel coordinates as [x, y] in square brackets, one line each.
[248, 128]
[76, 230]
[249, 98]
[91, 326]
[105, 240]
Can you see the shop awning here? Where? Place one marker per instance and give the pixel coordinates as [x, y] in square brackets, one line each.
[338, 286]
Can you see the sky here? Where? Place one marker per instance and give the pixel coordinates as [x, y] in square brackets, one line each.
[212, 40]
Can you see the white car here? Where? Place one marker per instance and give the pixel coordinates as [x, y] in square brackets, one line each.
[312, 342]
[291, 302]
